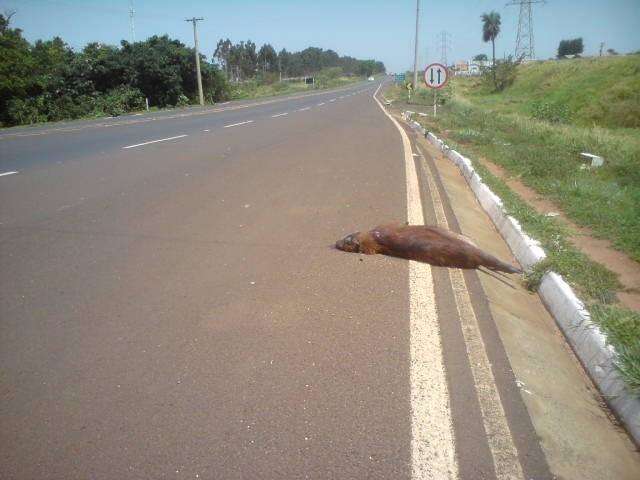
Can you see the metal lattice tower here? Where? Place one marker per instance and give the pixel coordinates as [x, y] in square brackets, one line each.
[525, 46]
[132, 23]
[444, 41]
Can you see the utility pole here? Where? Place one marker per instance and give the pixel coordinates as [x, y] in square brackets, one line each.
[415, 52]
[195, 21]
[525, 48]
[601, 47]
[132, 24]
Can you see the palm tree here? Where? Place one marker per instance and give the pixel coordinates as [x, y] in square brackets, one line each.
[490, 30]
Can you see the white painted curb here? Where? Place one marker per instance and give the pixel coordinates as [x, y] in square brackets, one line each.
[585, 337]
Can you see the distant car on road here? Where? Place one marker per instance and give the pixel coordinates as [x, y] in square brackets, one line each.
[371, 79]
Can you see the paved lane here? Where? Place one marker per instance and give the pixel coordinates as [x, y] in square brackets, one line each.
[37, 146]
[171, 306]
[185, 314]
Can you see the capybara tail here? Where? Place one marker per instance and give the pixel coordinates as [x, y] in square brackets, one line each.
[492, 263]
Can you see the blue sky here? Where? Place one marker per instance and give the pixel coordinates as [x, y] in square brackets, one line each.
[380, 29]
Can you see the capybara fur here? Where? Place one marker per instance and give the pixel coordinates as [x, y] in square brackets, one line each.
[423, 243]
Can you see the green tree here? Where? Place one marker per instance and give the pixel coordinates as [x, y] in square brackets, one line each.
[573, 46]
[267, 59]
[480, 58]
[16, 67]
[284, 59]
[490, 30]
[222, 53]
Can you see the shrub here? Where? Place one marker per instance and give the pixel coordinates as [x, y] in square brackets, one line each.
[183, 101]
[505, 74]
[26, 111]
[118, 101]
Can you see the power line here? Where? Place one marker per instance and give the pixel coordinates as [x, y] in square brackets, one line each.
[525, 47]
[195, 21]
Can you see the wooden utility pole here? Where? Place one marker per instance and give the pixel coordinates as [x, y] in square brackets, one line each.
[195, 20]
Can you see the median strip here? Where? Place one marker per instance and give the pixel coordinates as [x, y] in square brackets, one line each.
[238, 124]
[154, 141]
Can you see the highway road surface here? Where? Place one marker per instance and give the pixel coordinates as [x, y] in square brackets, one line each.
[171, 307]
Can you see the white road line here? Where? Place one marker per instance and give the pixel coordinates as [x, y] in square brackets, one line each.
[320, 104]
[503, 450]
[164, 117]
[280, 114]
[304, 109]
[236, 124]
[7, 173]
[206, 130]
[432, 439]
[332, 100]
[154, 141]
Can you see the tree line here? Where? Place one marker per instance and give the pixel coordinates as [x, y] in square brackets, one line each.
[243, 60]
[49, 81]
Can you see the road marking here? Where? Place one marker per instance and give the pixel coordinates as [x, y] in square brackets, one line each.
[332, 100]
[503, 450]
[7, 173]
[320, 104]
[237, 124]
[154, 141]
[206, 130]
[279, 114]
[304, 109]
[164, 117]
[432, 439]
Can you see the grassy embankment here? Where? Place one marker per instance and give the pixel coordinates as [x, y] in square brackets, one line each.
[535, 130]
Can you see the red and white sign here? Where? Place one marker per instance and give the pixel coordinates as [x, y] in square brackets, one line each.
[436, 75]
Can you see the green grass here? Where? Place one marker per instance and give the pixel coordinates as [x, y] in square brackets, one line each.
[622, 328]
[601, 91]
[592, 280]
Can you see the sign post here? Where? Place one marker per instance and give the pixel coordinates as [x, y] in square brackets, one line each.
[436, 76]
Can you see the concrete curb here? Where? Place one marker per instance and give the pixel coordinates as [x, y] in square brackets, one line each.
[585, 337]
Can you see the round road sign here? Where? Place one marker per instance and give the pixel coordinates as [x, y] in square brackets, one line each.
[436, 75]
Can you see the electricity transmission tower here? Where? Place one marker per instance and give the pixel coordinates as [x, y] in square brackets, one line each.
[132, 25]
[195, 21]
[444, 45]
[525, 48]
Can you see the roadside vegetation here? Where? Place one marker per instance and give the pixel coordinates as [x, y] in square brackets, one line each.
[535, 129]
[49, 81]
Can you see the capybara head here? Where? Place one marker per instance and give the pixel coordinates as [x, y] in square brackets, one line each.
[350, 243]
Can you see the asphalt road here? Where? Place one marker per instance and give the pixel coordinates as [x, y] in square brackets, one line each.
[171, 306]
